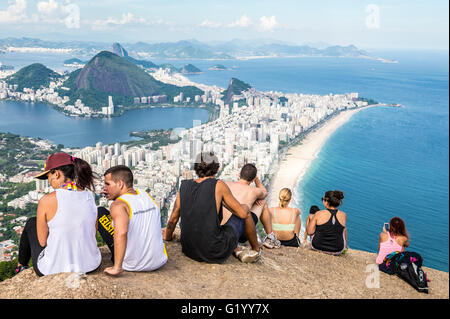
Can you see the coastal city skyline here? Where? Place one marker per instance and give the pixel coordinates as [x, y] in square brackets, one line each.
[349, 98]
[367, 24]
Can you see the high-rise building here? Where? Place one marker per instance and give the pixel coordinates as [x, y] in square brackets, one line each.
[110, 106]
[117, 149]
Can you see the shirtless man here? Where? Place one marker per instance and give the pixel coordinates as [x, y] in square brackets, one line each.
[254, 197]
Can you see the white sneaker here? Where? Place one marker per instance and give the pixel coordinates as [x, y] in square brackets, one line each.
[248, 255]
[271, 241]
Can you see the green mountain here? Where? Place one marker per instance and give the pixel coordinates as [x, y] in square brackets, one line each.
[108, 74]
[218, 67]
[189, 68]
[235, 87]
[73, 61]
[33, 76]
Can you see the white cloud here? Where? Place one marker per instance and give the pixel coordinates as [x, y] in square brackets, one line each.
[72, 19]
[267, 24]
[209, 24]
[15, 12]
[47, 7]
[52, 12]
[127, 18]
[244, 21]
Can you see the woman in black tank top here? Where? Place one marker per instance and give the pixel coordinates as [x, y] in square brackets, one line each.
[329, 237]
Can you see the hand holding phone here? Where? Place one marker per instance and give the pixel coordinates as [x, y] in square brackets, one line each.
[386, 227]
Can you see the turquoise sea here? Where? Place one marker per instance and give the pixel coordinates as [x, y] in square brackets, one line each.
[387, 161]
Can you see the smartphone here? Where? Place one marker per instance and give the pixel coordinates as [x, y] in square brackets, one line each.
[386, 226]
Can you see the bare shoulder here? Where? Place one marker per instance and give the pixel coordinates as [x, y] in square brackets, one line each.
[402, 240]
[298, 211]
[228, 183]
[383, 236]
[117, 204]
[221, 184]
[48, 198]
[321, 213]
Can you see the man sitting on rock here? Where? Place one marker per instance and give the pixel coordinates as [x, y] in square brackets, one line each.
[135, 240]
[254, 197]
[199, 204]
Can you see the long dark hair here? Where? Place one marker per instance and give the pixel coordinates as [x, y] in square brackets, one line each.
[80, 172]
[397, 227]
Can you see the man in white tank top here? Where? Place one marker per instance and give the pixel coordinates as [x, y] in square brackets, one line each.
[134, 233]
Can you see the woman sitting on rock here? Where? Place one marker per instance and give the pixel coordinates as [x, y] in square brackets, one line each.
[286, 221]
[327, 227]
[394, 239]
[62, 238]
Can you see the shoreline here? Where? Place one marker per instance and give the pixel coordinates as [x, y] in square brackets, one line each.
[298, 158]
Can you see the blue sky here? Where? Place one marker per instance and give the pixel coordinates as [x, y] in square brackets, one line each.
[366, 24]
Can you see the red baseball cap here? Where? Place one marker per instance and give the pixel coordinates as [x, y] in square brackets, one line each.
[54, 161]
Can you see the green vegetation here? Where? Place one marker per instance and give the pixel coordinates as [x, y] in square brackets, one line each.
[158, 138]
[33, 76]
[236, 87]
[108, 74]
[143, 63]
[18, 153]
[189, 68]
[218, 67]
[7, 269]
[13, 213]
[368, 100]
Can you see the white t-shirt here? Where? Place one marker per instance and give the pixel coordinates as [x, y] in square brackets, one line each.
[71, 243]
[145, 247]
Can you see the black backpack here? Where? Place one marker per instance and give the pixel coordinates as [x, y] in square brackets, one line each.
[408, 266]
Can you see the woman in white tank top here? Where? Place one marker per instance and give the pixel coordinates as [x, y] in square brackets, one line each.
[62, 238]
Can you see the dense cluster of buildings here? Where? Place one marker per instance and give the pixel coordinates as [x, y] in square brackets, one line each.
[254, 132]
[251, 133]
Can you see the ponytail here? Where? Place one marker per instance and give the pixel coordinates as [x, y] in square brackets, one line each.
[284, 196]
[79, 172]
[83, 174]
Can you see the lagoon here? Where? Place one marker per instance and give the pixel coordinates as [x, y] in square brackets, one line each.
[41, 120]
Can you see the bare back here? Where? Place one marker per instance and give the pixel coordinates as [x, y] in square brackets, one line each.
[323, 216]
[286, 216]
[244, 194]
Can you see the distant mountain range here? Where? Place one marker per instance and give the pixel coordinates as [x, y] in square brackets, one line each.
[193, 49]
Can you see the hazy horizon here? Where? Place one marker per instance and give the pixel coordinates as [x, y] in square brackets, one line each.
[365, 24]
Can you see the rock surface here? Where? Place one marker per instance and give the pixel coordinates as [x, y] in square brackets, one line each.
[285, 273]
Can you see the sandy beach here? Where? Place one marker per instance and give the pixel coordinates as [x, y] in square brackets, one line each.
[298, 158]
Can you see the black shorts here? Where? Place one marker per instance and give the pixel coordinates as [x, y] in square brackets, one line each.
[294, 242]
[243, 238]
[238, 225]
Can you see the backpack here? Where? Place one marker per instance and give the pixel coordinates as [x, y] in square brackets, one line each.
[408, 266]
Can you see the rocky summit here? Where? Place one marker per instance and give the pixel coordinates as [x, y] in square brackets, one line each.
[285, 273]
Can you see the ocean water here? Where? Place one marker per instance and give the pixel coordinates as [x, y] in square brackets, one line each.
[387, 161]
